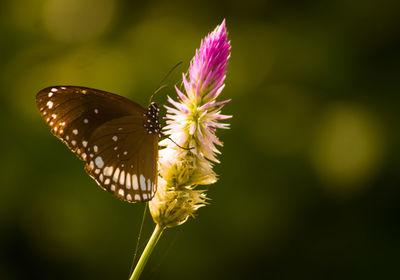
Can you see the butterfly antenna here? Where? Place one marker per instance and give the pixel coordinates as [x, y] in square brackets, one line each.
[165, 77]
[157, 91]
[138, 239]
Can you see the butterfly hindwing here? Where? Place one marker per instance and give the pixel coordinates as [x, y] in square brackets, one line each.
[123, 159]
[92, 123]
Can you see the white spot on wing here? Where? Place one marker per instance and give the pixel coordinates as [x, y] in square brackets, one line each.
[128, 180]
[128, 197]
[137, 197]
[108, 171]
[73, 142]
[50, 94]
[99, 162]
[53, 89]
[121, 192]
[116, 175]
[85, 120]
[107, 181]
[96, 111]
[115, 138]
[50, 104]
[135, 184]
[112, 187]
[142, 182]
[144, 196]
[95, 148]
[75, 131]
[84, 143]
[122, 178]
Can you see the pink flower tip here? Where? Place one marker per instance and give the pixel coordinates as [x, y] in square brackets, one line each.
[208, 67]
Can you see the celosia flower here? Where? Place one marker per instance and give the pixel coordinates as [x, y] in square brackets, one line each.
[192, 122]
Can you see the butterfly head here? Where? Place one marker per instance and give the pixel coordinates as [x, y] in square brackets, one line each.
[151, 122]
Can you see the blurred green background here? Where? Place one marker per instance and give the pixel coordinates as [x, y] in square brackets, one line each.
[309, 174]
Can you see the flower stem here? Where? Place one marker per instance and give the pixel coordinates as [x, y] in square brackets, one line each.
[147, 252]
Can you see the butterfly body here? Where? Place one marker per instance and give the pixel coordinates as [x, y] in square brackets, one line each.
[116, 137]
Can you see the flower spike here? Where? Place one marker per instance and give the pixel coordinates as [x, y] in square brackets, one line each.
[192, 121]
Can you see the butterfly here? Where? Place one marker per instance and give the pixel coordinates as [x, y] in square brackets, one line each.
[116, 137]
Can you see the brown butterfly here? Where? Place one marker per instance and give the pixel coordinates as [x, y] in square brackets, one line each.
[116, 137]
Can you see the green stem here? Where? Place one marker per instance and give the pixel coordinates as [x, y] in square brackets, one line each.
[147, 252]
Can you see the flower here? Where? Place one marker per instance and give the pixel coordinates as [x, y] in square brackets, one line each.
[192, 122]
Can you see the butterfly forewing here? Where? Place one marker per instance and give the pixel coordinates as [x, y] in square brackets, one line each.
[108, 132]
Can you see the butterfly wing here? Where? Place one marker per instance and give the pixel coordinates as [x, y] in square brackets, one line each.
[88, 121]
[123, 159]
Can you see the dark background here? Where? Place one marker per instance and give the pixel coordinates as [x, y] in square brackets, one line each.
[309, 176]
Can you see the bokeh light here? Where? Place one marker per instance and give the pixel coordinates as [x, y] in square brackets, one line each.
[348, 147]
[77, 20]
